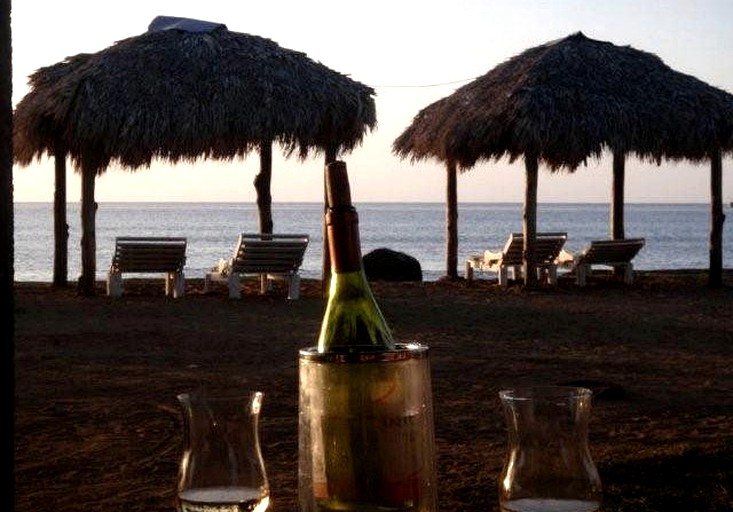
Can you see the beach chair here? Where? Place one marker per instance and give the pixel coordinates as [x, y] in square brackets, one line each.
[547, 248]
[617, 254]
[148, 255]
[269, 257]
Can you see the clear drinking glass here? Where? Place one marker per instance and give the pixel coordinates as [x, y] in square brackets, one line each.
[548, 466]
[221, 469]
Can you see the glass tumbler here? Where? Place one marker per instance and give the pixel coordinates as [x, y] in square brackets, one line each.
[548, 466]
[221, 469]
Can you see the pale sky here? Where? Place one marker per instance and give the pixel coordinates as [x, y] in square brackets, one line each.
[413, 52]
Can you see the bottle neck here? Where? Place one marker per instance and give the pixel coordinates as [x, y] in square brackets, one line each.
[344, 245]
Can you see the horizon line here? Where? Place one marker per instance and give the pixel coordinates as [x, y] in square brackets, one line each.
[185, 201]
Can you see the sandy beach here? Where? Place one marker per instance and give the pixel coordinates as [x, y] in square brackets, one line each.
[98, 426]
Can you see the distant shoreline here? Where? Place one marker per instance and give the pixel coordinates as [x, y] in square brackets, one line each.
[699, 273]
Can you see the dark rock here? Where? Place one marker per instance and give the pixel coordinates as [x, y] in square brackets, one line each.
[388, 265]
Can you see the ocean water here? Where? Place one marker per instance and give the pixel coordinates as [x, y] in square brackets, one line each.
[677, 235]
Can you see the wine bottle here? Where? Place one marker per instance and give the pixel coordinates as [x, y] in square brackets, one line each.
[353, 322]
[366, 440]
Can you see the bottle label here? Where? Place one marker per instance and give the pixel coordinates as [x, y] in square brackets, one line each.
[368, 460]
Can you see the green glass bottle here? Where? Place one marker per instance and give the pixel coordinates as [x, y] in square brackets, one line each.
[353, 322]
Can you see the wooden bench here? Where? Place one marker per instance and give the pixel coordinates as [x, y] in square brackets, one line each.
[148, 255]
[611, 253]
[267, 256]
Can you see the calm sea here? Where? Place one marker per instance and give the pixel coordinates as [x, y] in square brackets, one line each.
[676, 234]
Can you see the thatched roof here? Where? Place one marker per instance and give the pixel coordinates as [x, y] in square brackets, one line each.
[181, 93]
[568, 100]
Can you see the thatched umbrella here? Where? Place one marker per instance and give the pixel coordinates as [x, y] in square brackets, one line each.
[184, 90]
[569, 100]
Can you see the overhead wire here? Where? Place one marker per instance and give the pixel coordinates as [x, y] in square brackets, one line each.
[416, 86]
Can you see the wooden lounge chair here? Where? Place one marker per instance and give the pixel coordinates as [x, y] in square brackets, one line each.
[617, 254]
[148, 255]
[269, 257]
[547, 248]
